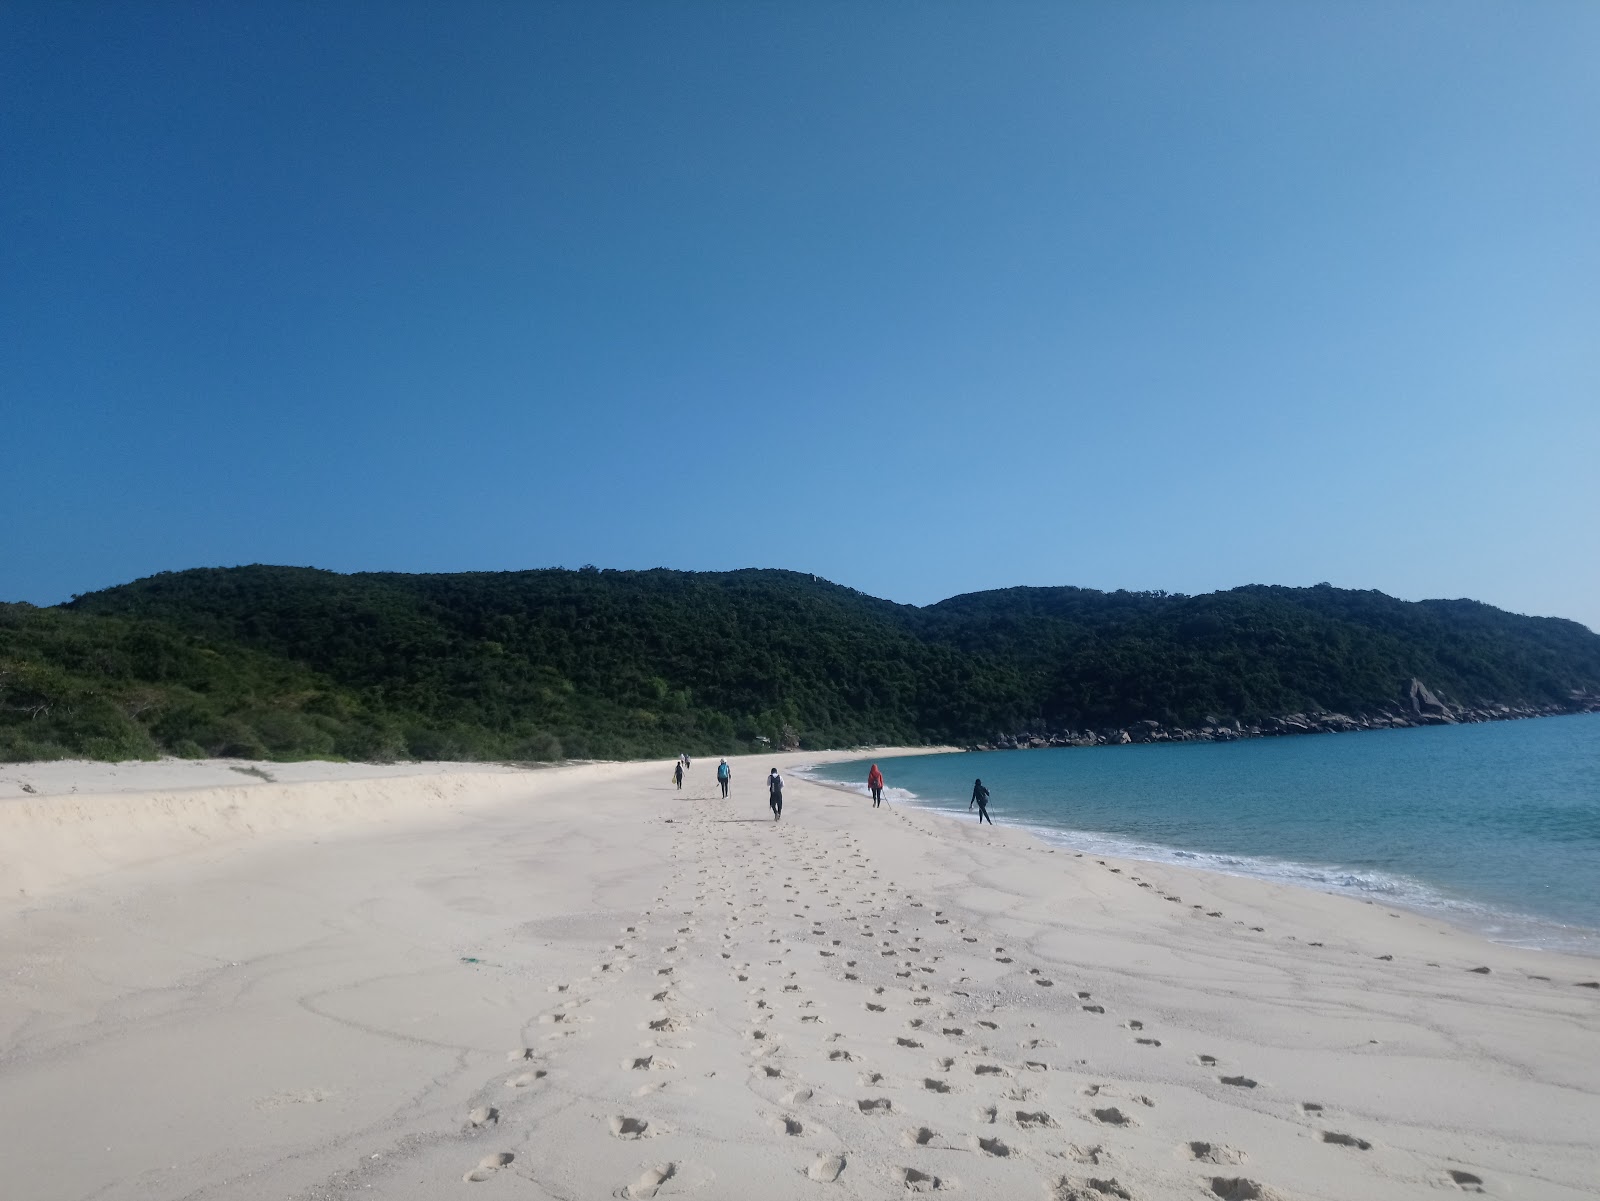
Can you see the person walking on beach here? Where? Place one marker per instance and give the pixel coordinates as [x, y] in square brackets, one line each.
[980, 798]
[724, 774]
[775, 794]
[677, 775]
[875, 785]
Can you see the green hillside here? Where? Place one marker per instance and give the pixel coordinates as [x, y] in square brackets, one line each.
[277, 662]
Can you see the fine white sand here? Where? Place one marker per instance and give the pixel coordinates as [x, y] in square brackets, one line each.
[579, 982]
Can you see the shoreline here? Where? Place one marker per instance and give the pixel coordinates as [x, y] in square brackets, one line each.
[1538, 934]
[587, 982]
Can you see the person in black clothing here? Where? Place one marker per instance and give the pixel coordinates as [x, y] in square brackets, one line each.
[775, 794]
[677, 775]
[980, 798]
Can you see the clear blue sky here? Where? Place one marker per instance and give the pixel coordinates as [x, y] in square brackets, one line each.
[924, 298]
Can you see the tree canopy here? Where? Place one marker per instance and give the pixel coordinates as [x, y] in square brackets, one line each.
[281, 662]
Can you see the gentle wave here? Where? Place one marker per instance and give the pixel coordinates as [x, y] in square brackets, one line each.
[1503, 926]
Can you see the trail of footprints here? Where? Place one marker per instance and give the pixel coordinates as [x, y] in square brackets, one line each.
[942, 1034]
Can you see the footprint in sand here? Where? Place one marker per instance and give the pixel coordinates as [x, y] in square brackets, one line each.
[525, 1079]
[488, 1166]
[1206, 1061]
[1465, 1181]
[1237, 1188]
[1238, 1081]
[826, 1168]
[626, 1127]
[650, 1182]
[1035, 1120]
[1346, 1140]
[787, 1125]
[1112, 1116]
[1092, 1189]
[1214, 1153]
[483, 1115]
[994, 1147]
[875, 1105]
[922, 1182]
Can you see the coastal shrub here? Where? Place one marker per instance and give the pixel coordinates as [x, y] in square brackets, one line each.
[537, 748]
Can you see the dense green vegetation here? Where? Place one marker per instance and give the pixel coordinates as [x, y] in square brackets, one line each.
[276, 662]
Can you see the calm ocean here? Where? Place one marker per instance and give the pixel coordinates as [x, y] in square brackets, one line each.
[1493, 826]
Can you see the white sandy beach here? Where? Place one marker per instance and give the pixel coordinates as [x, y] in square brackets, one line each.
[428, 981]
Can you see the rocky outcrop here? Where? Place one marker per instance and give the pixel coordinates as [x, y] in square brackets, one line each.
[1426, 707]
[1418, 706]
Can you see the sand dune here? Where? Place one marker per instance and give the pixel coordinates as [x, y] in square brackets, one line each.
[584, 983]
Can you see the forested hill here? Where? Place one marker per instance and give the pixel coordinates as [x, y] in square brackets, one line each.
[283, 662]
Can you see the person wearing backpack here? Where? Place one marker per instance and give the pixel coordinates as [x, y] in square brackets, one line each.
[775, 794]
[875, 785]
[724, 774]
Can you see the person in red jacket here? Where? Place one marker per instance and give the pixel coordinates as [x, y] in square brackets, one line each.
[875, 785]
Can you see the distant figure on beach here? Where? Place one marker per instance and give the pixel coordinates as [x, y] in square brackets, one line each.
[980, 798]
[875, 785]
[683, 759]
[724, 774]
[677, 775]
[775, 794]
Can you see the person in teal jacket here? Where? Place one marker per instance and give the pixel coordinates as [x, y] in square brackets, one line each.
[724, 774]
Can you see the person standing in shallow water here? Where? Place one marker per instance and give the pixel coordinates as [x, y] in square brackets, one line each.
[875, 785]
[775, 794]
[724, 774]
[980, 798]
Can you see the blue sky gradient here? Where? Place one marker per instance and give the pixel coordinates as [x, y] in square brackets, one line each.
[923, 298]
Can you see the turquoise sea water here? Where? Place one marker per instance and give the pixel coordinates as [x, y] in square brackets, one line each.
[1494, 826]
